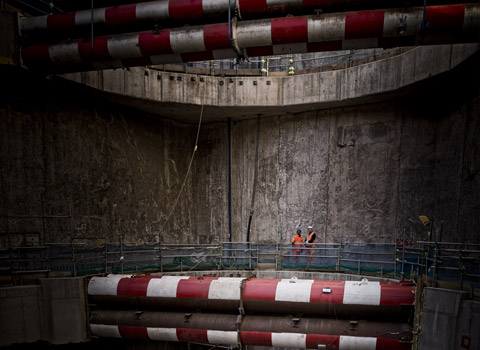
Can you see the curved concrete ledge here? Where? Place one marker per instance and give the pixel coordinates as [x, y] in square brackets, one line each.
[180, 96]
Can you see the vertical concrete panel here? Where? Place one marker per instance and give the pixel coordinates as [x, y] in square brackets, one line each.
[469, 216]
[467, 335]
[134, 80]
[65, 308]
[363, 172]
[265, 222]
[153, 85]
[439, 319]
[450, 138]
[210, 185]
[21, 310]
[303, 156]
[114, 81]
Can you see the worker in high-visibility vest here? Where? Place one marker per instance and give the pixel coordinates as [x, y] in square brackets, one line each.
[297, 241]
[310, 240]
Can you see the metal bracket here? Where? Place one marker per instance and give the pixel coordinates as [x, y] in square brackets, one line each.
[186, 317]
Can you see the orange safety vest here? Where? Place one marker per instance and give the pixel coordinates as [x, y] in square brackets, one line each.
[309, 239]
[297, 239]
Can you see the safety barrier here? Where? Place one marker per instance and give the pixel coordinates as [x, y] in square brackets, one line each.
[444, 261]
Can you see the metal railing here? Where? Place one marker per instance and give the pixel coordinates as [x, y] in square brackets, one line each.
[439, 261]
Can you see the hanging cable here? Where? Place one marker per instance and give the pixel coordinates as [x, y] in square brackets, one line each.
[189, 165]
[255, 171]
[424, 24]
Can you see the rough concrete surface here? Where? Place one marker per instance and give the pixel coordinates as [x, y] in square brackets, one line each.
[357, 173]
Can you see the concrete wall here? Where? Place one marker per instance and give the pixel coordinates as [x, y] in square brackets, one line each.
[358, 173]
[55, 311]
[448, 321]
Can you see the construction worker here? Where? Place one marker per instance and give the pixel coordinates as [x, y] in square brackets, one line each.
[297, 241]
[310, 240]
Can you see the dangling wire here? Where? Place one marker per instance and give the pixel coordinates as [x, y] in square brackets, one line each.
[189, 165]
[424, 24]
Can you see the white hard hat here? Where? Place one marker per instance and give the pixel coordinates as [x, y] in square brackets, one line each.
[310, 227]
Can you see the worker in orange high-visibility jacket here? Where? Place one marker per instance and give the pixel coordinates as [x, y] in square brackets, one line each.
[297, 241]
[310, 240]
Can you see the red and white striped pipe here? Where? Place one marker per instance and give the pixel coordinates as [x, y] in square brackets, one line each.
[189, 10]
[328, 32]
[257, 295]
[295, 340]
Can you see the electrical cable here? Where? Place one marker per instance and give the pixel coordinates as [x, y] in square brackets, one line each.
[189, 165]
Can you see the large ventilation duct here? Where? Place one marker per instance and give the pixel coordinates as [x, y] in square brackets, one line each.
[327, 32]
[375, 300]
[235, 330]
[183, 11]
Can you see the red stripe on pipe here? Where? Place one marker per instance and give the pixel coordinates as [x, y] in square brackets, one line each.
[260, 51]
[100, 46]
[391, 344]
[289, 30]
[395, 294]
[256, 338]
[185, 9]
[192, 335]
[364, 24]
[196, 287]
[320, 292]
[215, 36]
[449, 17]
[136, 62]
[314, 340]
[334, 45]
[121, 15]
[37, 54]
[252, 7]
[152, 44]
[133, 287]
[197, 56]
[133, 332]
[260, 289]
[61, 21]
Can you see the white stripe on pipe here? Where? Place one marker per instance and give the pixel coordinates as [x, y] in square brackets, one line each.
[165, 287]
[154, 10]
[105, 330]
[326, 28]
[84, 17]
[187, 40]
[33, 23]
[294, 290]
[362, 293]
[124, 46]
[294, 340]
[103, 286]
[165, 334]
[66, 53]
[163, 59]
[357, 343]
[222, 337]
[394, 18]
[290, 48]
[212, 7]
[254, 33]
[225, 288]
